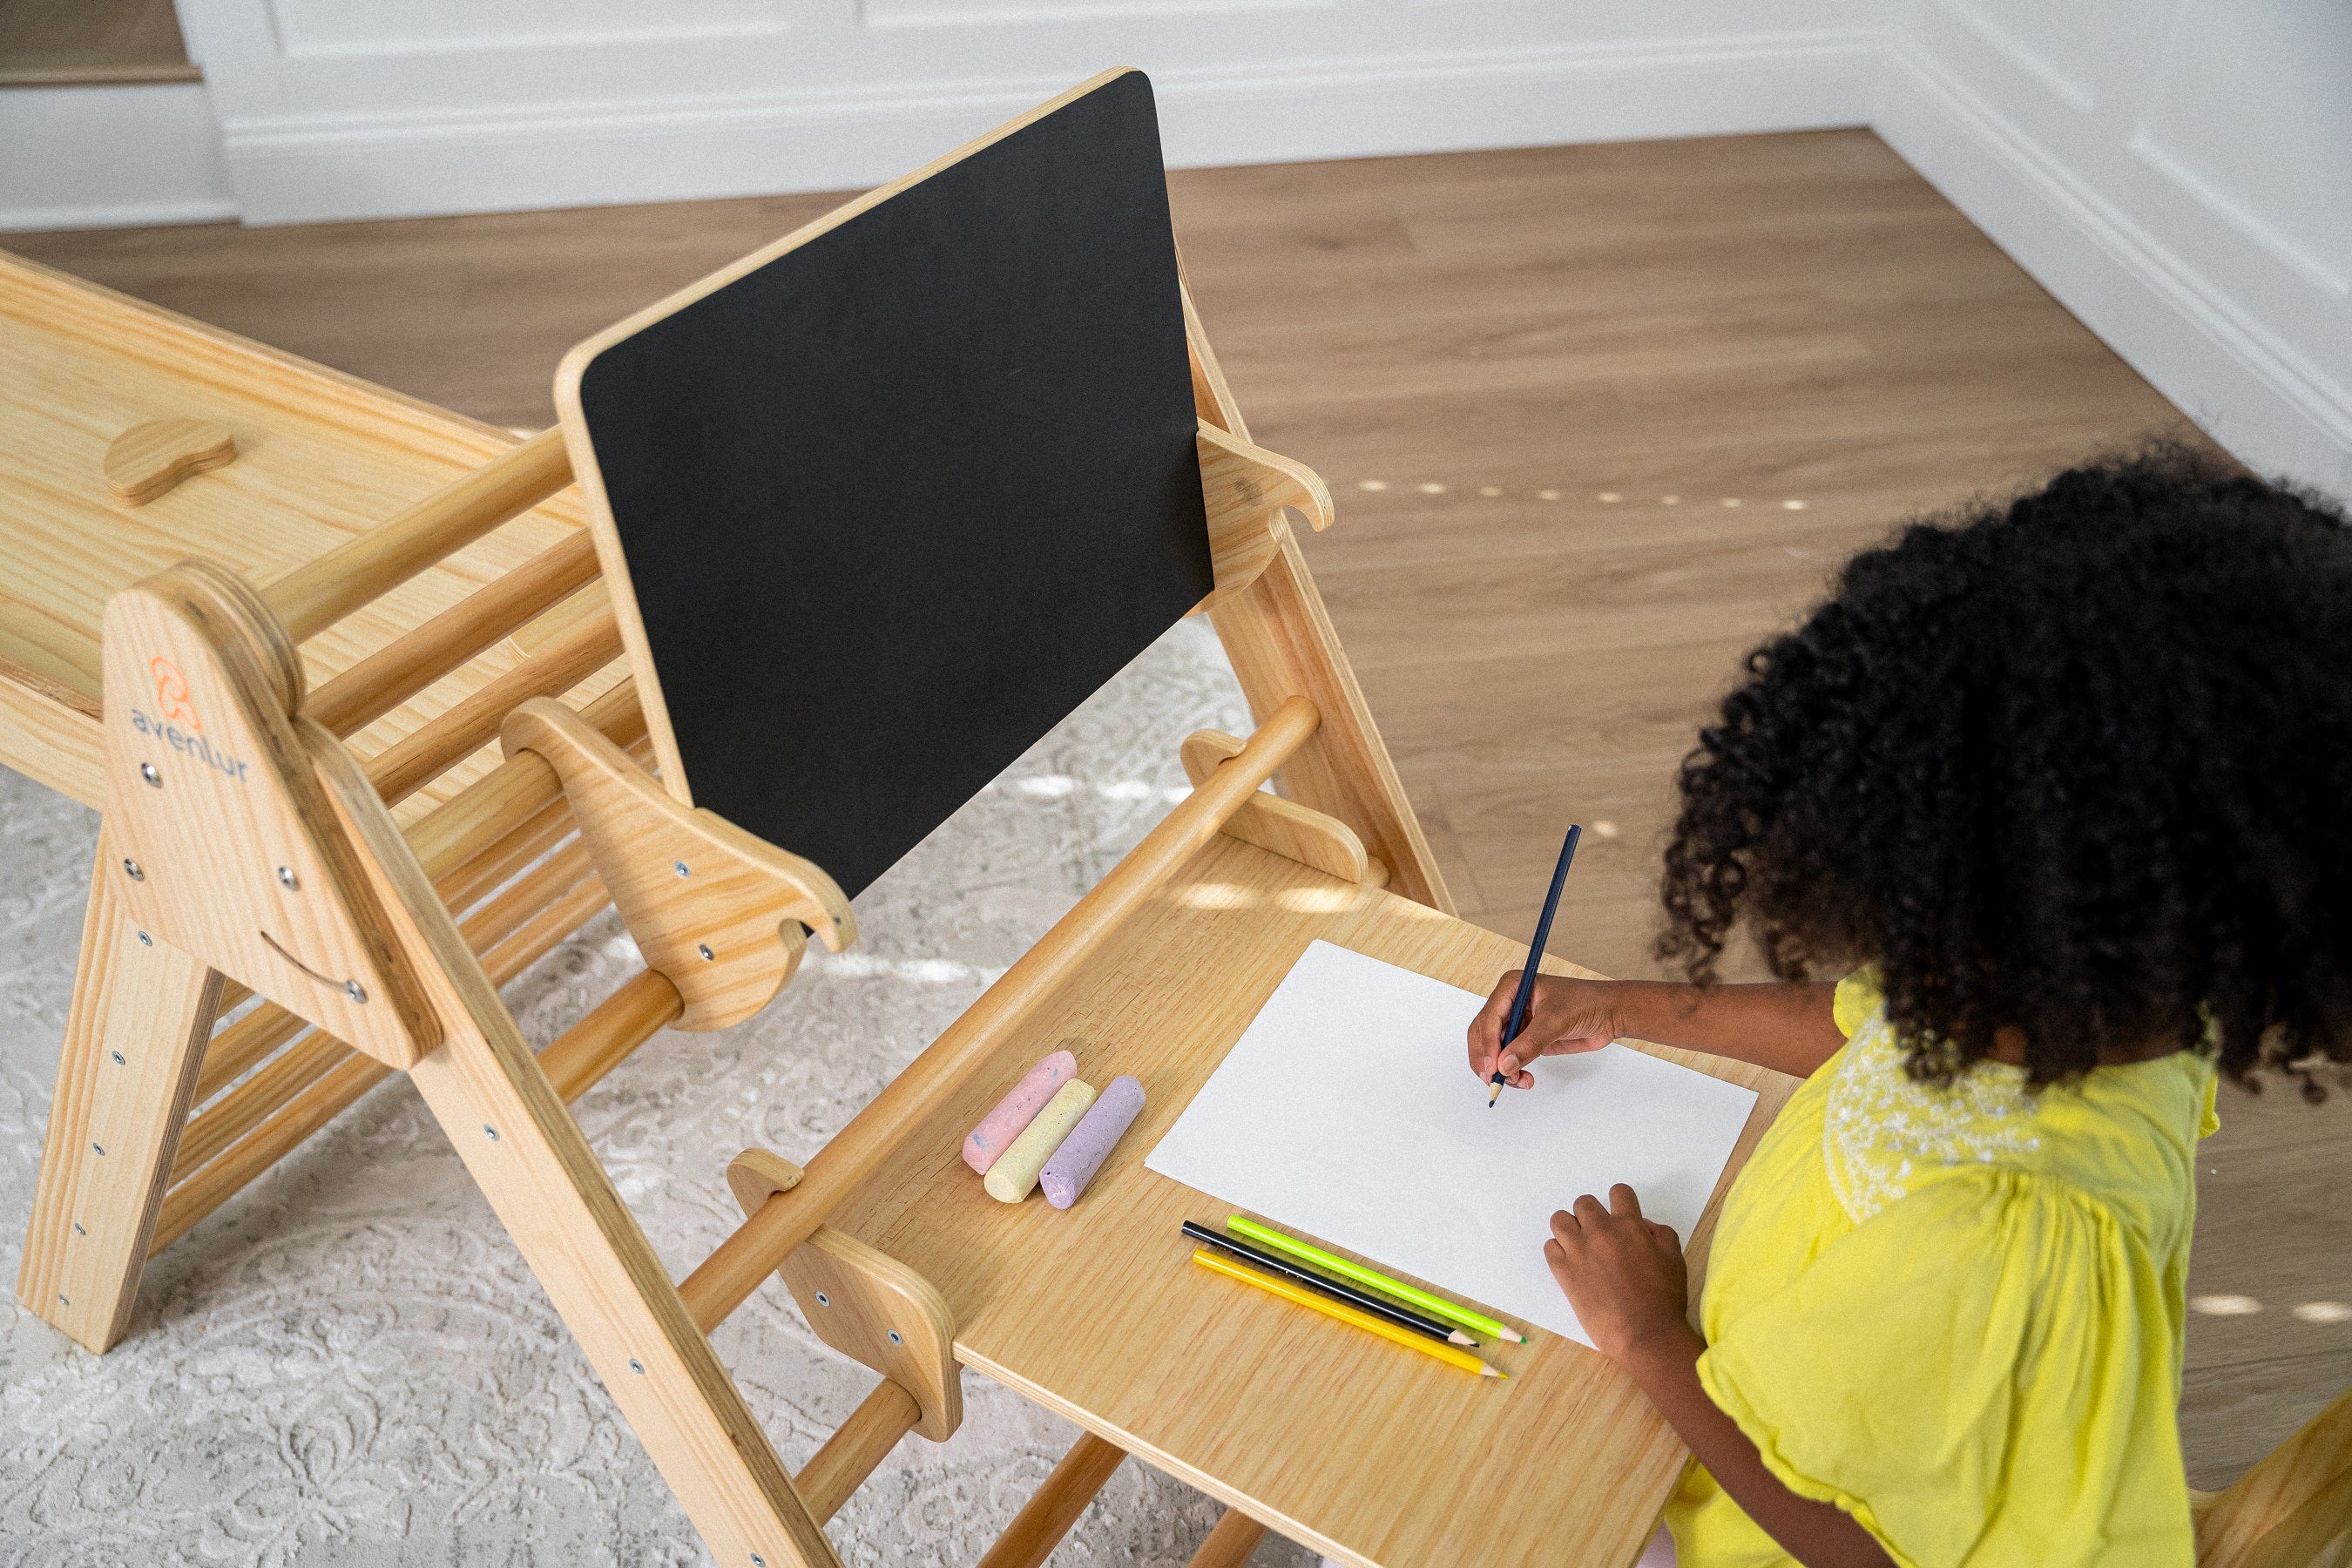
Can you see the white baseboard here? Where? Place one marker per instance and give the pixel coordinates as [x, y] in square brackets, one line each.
[308, 171]
[106, 157]
[2267, 404]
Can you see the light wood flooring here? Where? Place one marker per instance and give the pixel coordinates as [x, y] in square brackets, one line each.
[91, 43]
[1598, 420]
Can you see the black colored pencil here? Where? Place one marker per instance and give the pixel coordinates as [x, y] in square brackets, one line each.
[1517, 1019]
[1363, 1300]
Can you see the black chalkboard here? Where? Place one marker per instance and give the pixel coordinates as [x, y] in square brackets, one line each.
[897, 500]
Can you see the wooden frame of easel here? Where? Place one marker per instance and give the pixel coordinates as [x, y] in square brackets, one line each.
[246, 850]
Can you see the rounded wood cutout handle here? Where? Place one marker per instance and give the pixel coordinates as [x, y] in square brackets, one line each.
[148, 460]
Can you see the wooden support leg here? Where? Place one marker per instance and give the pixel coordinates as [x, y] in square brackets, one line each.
[1042, 1522]
[1230, 1544]
[530, 1161]
[134, 1040]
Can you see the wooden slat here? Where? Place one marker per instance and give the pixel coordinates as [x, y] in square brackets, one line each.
[250, 1103]
[1047, 1516]
[746, 1258]
[237, 1050]
[316, 594]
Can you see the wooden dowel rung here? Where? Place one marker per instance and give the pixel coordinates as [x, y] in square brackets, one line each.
[400, 770]
[600, 1041]
[1229, 1545]
[217, 1183]
[250, 1103]
[535, 890]
[319, 592]
[229, 1053]
[1046, 1516]
[537, 936]
[467, 886]
[407, 665]
[511, 793]
[737, 1266]
[836, 1470]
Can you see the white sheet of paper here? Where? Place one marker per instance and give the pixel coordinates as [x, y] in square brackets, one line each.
[1347, 1113]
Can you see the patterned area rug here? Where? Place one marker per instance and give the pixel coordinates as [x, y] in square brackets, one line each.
[349, 1364]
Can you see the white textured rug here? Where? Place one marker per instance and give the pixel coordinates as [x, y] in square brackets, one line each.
[349, 1364]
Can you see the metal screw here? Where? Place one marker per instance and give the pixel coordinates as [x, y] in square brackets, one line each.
[823, 1299]
[636, 1366]
[894, 1339]
[355, 990]
[287, 879]
[63, 1302]
[78, 1229]
[492, 1130]
[100, 1151]
[131, 869]
[704, 948]
[118, 1060]
[680, 868]
[146, 940]
[147, 770]
[758, 1560]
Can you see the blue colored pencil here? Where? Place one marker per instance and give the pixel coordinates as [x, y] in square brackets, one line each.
[1517, 1019]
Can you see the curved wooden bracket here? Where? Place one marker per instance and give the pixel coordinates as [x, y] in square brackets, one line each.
[1282, 826]
[1244, 488]
[715, 910]
[864, 1302]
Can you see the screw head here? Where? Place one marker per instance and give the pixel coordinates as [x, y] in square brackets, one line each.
[147, 770]
[146, 940]
[131, 869]
[704, 948]
[894, 1339]
[118, 1058]
[758, 1560]
[636, 1366]
[288, 879]
[823, 1299]
[492, 1131]
[62, 1301]
[102, 1152]
[355, 990]
[680, 868]
[78, 1229]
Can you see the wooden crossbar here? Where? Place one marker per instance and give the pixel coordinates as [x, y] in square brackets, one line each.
[1050, 1511]
[735, 1268]
[320, 591]
[836, 1470]
[407, 665]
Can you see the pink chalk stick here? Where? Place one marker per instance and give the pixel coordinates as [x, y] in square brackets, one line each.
[1016, 1110]
[1073, 1165]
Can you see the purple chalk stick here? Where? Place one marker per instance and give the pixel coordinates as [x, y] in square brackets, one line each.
[1073, 1165]
[1016, 1110]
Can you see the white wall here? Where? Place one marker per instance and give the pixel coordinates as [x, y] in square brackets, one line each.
[358, 108]
[2178, 174]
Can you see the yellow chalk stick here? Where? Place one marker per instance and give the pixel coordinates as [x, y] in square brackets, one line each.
[1014, 1174]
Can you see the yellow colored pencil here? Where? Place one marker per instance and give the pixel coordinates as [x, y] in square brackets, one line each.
[1451, 1355]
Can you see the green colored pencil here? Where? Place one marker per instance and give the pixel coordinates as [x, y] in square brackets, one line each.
[1437, 1305]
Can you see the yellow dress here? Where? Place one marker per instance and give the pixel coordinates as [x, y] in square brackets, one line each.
[1956, 1313]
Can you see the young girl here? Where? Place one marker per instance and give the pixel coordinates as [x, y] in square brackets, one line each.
[2060, 788]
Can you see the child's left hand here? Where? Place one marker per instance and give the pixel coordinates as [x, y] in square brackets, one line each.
[1625, 1275]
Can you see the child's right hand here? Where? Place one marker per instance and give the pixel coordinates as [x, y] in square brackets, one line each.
[1565, 1017]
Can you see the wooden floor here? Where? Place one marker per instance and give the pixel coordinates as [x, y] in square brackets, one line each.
[91, 43]
[1598, 420]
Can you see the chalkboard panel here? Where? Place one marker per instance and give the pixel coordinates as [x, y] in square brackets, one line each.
[896, 501]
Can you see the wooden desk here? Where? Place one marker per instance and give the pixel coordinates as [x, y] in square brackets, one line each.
[1332, 1437]
[320, 458]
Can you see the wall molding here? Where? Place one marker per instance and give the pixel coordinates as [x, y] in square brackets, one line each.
[293, 169]
[2272, 406]
[110, 157]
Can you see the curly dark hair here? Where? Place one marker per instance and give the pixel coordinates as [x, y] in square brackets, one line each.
[2079, 763]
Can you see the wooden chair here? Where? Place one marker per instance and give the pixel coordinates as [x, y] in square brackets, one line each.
[246, 849]
[2292, 1510]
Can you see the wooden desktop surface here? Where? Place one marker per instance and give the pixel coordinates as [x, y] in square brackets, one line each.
[1338, 1439]
[320, 458]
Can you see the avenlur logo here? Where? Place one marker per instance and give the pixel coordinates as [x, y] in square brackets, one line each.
[172, 699]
